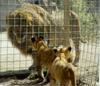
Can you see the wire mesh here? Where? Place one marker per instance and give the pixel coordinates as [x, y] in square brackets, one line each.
[11, 58]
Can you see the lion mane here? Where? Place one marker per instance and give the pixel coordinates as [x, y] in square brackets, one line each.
[27, 21]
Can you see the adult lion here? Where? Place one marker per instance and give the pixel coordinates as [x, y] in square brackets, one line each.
[27, 21]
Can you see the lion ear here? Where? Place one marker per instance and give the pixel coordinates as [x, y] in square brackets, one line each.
[33, 39]
[41, 37]
[69, 48]
[55, 50]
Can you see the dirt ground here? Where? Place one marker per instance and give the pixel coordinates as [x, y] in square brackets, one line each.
[11, 59]
[12, 82]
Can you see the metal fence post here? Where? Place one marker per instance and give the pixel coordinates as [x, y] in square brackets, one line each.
[66, 21]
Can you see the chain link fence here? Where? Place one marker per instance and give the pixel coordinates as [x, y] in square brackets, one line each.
[86, 37]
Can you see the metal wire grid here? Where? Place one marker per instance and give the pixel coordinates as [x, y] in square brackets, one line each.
[11, 58]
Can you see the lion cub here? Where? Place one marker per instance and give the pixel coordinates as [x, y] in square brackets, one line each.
[61, 70]
[45, 56]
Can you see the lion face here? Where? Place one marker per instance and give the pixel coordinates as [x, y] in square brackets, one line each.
[38, 43]
[20, 39]
[20, 35]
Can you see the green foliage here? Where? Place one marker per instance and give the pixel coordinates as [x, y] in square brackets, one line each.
[88, 17]
[20, 1]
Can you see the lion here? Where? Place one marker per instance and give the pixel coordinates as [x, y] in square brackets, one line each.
[24, 23]
[31, 20]
[46, 57]
[62, 71]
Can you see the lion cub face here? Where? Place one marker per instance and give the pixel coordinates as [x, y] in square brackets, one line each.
[38, 43]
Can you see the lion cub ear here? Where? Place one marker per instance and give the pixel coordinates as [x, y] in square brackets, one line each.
[33, 39]
[41, 37]
[69, 48]
[55, 50]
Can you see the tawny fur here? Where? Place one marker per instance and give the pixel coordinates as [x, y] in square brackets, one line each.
[25, 22]
[62, 71]
[45, 55]
[68, 53]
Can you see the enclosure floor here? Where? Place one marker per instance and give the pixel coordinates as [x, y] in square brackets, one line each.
[11, 59]
[7, 82]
